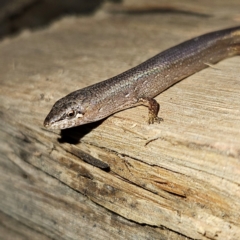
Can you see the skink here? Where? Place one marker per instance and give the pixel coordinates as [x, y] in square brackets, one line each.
[139, 85]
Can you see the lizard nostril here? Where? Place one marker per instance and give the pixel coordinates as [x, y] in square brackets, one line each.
[46, 124]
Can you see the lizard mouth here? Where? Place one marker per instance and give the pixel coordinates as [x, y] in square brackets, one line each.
[61, 124]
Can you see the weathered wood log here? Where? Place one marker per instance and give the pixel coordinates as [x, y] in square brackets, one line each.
[176, 180]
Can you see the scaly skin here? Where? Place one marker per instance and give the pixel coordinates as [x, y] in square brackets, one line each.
[139, 85]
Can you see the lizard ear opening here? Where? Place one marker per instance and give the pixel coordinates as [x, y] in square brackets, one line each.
[79, 115]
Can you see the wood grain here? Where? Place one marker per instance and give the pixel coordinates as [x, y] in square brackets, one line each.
[176, 180]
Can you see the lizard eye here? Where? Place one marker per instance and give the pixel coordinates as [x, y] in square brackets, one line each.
[71, 114]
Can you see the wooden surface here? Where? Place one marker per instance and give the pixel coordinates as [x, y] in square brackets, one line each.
[176, 180]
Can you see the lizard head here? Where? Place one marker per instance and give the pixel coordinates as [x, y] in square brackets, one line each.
[68, 112]
[64, 115]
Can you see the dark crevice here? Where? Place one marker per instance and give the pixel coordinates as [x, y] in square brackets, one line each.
[16, 16]
[159, 10]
